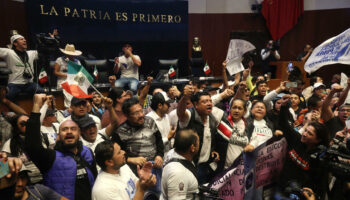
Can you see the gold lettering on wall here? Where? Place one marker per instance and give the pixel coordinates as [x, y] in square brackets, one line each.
[177, 18]
[84, 12]
[53, 11]
[125, 16]
[92, 14]
[66, 11]
[106, 16]
[155, 18]
[42, 10]
[163, 18]
[95, 14]
[134, 17]
[75, 13]
[142, 18]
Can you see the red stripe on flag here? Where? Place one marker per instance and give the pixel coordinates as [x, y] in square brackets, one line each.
[75, 91]
[224, 130]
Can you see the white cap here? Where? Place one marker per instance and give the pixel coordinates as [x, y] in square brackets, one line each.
[316, 85]
[15, 37]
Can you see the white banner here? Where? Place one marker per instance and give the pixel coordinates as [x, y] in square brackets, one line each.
[344, 83]
[332, 51]
[236, 49]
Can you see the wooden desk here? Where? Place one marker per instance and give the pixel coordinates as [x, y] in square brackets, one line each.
[282, 70]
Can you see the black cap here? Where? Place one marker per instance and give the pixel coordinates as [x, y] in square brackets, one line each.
[86, 122]
[50, 112]
[75, 101]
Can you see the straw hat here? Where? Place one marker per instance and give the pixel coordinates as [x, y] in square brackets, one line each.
[70, 50]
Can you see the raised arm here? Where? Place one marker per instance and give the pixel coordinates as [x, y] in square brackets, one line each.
[181, 107]
[326, 110]
[224, 75]
[112, 116]
[145, 90]
[42, 158]
[344, 94]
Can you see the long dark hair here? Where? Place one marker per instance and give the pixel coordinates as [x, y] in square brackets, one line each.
[17, 143]
[321, 133]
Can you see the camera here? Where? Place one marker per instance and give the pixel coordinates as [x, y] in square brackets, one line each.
[275, 46]
[26, 74]
[46, 45]
[336, 158]
[207, 193]
[293, 191]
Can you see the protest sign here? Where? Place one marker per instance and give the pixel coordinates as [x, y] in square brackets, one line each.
[236, 49]
[332, 51]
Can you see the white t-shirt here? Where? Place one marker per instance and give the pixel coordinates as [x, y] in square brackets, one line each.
[261, 133]
[233, 150]
[163, 124]
[128, 68]
[16, 65]
[177, 181]
[205, 151]
[51, 131]
[120, 186]
[173, 118]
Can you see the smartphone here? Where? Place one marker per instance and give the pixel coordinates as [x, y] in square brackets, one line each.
[4, 167]
[291, 84]
[290, 66]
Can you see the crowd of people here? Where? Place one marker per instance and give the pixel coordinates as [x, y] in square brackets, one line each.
[164, 143]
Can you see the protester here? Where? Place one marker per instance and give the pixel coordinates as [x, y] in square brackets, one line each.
[21, 63]
[298, 166]
[117, 181]
[203, 118]
[179, 175]
[70, 169]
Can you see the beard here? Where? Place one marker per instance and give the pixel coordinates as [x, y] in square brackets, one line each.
[66, 146]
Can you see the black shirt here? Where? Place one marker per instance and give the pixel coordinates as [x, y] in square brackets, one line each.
[334, 125]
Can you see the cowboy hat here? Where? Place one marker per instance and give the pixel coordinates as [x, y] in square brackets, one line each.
[70, 50]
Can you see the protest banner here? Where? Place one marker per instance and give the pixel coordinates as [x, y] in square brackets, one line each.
[332, 51]
[236, 49]
[251, 171]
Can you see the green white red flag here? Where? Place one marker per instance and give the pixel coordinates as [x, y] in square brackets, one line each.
[78, 81]
[43, 78]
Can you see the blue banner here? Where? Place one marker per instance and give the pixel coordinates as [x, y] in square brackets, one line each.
[110, 21]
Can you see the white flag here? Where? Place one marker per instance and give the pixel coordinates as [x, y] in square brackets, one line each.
[332, 51]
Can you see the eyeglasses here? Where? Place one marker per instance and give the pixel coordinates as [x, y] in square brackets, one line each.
[345, 110]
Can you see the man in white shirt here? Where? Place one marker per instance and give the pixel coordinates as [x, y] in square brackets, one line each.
[21, 63]
[117, 181]
[160, 106]
[204, 119]
[128, 64]
[179, 180]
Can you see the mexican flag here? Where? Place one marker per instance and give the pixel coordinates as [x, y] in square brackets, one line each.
[172, 72]
[96, 72]
[206, 69]
[43, 78]
[78, 81]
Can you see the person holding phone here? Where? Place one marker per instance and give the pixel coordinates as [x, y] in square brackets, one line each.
[303, 56]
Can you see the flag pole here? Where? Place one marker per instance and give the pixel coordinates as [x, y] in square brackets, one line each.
[96, 90]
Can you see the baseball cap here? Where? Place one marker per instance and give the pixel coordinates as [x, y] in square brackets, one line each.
[75, 101]
[317, 85]
[86, 122]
